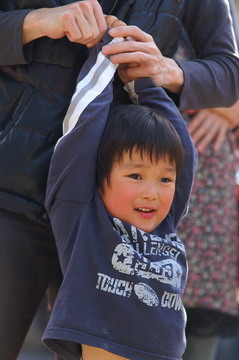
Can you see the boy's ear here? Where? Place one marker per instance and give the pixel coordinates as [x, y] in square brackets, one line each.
[101, 191]
[102, 187]
[105, 184]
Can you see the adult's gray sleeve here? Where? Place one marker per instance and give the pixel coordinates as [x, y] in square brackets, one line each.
[12, 50]
[212, 79]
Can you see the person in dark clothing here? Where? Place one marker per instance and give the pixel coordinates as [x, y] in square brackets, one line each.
[39, 65]
[124, 268]
[36, 83]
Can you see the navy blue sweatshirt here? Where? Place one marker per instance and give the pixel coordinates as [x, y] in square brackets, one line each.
[122, 287]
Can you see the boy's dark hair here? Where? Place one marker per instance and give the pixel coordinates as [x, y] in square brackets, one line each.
[137, 127]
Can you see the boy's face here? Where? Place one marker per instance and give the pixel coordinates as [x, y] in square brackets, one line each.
[141, 191]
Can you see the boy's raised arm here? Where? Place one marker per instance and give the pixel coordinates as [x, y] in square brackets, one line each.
[73, 164]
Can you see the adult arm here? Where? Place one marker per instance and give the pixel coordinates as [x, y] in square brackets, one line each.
[81, 22]
[210, 81]
[145, 92]
[11, 34]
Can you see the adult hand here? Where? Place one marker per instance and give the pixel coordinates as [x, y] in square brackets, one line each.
[140, 57]
[207, 127]
[113, 21]
[82, 22]
[231, 114]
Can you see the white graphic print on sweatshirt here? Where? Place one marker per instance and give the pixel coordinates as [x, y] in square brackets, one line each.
[128, 259]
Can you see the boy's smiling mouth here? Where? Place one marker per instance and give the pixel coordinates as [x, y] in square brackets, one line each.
[144, 210]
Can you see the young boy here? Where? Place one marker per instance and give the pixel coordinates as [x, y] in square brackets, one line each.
[124, 267]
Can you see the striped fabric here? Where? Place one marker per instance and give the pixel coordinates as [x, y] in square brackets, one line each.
[89, 88]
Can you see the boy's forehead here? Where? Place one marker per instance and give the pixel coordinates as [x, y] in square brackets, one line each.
[138, 159]
[135, 156]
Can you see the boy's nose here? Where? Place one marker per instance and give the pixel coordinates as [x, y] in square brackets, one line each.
[150, 193]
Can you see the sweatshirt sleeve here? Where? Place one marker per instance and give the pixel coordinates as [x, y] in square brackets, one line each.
[12, 50]
[145, 92]
[73, 164]
[212, 79]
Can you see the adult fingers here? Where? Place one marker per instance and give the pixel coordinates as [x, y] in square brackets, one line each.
[131, 46]
[131, 31]
[134, 71]
[89, 23]
[208, 128]
[197, 122]
[113, 21]
[220, 138]
[99, 16]
[208, 138]
[71, 28]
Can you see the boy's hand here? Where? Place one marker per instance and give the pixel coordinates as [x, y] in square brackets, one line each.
[140, 57]
[82, 22]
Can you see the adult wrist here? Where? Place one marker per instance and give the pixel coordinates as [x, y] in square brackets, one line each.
[32, 28]
[171, 78]
[174, 78]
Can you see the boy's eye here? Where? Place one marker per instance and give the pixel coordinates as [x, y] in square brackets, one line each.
[165, 180]
[135, 176]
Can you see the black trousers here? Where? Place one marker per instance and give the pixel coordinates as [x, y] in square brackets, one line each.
[28, 265]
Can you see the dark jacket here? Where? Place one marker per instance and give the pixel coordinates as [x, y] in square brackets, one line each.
[37, 82]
